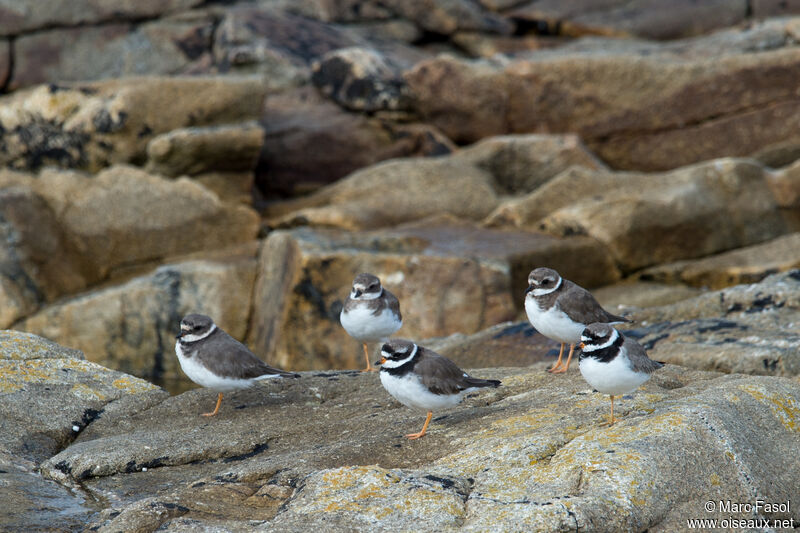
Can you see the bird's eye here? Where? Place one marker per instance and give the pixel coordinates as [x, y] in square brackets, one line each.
[196, 328]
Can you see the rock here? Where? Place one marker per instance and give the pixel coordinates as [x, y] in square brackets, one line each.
[477, 44]
[194, 151]
[676, 114]
[690, 212]
[630, 294]
[745, 265]
[310, 142]
[94, 125]
[479, 275]
[24, 16]
[5, 63]
[277, 45]
[60, 55]
[397, 191]
[234, 187]
[648, 19]
[132, 326]
[746, 328]
[503, 459]
[785, 185]
[522, 163]
[360, 79]
[51, 393]
[449, 16]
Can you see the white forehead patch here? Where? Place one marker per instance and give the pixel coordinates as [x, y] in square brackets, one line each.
[593, 347]
[185, 327]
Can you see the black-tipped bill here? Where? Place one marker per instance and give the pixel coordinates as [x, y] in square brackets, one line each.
[380, 361]
[529, 289]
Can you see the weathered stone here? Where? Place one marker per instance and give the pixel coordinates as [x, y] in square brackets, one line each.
[747, 328]
[278, 45]
[449, 16]
[509, 458]
[196, 150]
[91, 126]
[674, 115]
[132, 326]
[310, 142]
[690, 212]
[360, 79]
[23, 16]
[110, 51]
[478, 44]
[631, 294]
[236, 187]
[398, 191]
[5, 63]
[650, 19]
[522, 163]
[785, 185]
[304, 277]
[745, 265]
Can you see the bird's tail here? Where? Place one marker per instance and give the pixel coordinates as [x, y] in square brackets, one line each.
[475, 382]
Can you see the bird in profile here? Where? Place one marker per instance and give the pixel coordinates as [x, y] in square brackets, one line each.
[612, 363]
[215, 360]
[560, 309]
[370, 313]
[422, 379]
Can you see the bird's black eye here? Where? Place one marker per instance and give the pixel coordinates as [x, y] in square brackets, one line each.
[196, 328]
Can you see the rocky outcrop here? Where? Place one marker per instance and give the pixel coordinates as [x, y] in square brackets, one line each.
[449, 277]
[746, 328]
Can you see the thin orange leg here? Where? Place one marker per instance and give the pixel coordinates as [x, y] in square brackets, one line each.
[554, 368]
[216, 409]
[612, 419]
[569, 358]
[369, 368]
[414, 436]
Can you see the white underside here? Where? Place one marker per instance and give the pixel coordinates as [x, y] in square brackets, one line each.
[204, 377]
[410, 391]
[553, 323]
[362, 325]
[615, 377]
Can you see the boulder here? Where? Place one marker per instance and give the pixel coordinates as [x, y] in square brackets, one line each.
[132, 326]
[683, 108]
[232, 187]
[449, 16]
[5, 63]
[785, 185]
[746, 328]
[478, 275]
[310, 142]
[530, 454]
[192, 151]
[750, 264]
[93, 125]
[632, 294]
[649, 19]
[690, 212]
[161, 47]
[24, 16]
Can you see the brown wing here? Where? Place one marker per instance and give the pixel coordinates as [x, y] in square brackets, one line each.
[442, 376]
[225, 356]
[391, 302]
[638, 357]
[581, 306]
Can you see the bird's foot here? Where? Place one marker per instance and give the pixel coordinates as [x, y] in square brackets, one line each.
[415, 436]
[557, 370]
[610, 422]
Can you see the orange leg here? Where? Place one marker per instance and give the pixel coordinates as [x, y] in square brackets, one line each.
[414, 436]
[369, 368]
[216, 409]
[569, 358]
[554, 368]
[612, 419]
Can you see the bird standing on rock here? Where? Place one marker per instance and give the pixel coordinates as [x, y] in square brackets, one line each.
[370, 313]
[559, 309]
[422, 379]
[212, 358]
[612, 363]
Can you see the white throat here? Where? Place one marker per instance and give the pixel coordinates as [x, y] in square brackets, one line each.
[542, 292]
[594, 347]
[394, 364]
[192, 338]
[365, 295]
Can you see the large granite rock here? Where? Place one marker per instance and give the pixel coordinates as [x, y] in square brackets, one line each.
[449, 277]
[690, 212]
[674, 114]
[132, 326]
[528, 455]
[310, 142]
[746, 328]
[162, 47]
[93, 125]
[785, 185]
